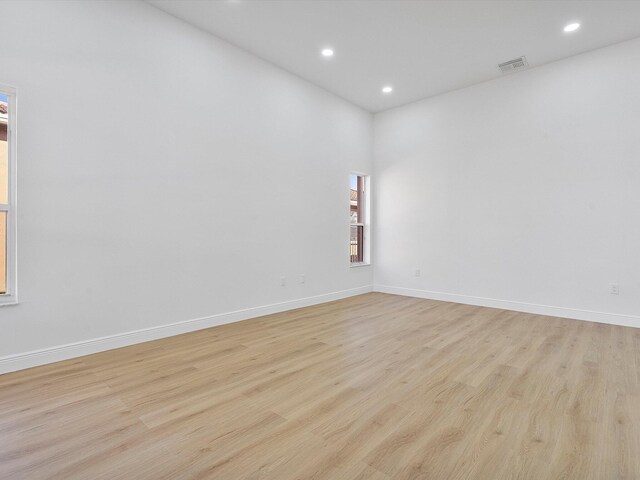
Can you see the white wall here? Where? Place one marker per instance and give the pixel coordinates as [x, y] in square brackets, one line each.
[165, 176]
[522, 193]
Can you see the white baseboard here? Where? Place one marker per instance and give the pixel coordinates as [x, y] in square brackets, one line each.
[573, 313]
[20, 361]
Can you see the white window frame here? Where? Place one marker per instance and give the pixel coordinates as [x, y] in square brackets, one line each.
[367, 219]
[11, 295]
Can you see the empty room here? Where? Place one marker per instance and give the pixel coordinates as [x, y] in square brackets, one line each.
[319, 239]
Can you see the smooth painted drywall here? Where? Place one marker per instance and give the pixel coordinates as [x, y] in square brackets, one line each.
[524, 189]
[166, 176]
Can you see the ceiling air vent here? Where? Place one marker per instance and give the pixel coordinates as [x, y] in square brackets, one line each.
[519, 63]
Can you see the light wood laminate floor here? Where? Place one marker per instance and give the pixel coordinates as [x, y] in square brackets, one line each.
[373, 387]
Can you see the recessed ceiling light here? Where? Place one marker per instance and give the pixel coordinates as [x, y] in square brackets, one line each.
[572, 27]
[387, 89]
[327, 52]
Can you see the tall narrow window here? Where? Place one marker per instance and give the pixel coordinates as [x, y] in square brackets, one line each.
[7, 187]
[358, 242]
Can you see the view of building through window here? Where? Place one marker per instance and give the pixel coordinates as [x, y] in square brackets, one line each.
[4, 187]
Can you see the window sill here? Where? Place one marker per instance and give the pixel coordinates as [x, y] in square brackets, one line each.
[363, 264]
[7, 301]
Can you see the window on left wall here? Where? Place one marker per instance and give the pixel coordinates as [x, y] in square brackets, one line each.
[7, 195]
[359, 215]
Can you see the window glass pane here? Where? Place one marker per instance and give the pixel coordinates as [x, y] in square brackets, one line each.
[354, 199]
[357, 244]
[4, 149]
[3, 252]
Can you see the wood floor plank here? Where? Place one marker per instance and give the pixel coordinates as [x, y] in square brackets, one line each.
[375, 387]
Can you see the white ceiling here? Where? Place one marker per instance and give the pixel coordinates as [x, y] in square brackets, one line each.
[422, 48]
